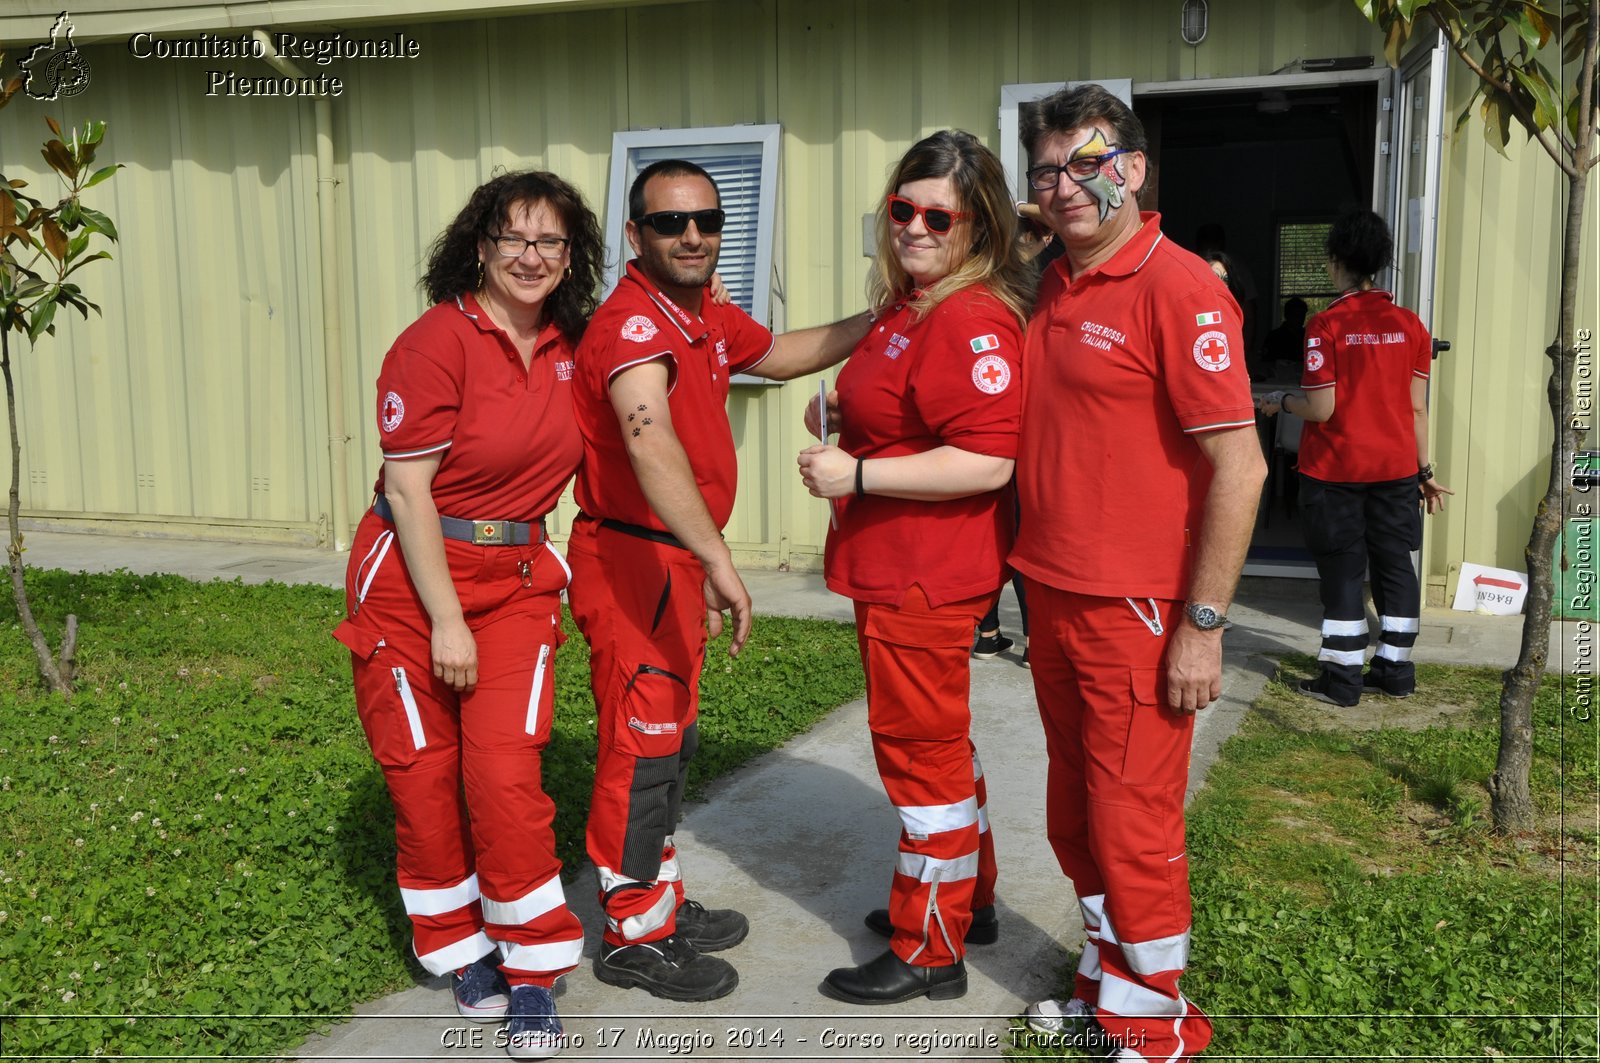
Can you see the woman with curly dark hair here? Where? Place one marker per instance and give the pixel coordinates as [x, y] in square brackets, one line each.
[454, 595]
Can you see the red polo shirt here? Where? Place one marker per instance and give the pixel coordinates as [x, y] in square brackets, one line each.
[636, 324]
[1372, 349]
[1122, 365]
[453, 385]
[950, 379]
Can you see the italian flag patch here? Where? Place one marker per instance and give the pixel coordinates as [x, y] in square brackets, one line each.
[1213, 318]
[991, 342]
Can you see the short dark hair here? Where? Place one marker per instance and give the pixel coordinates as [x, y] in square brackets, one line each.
[1073, 108]
[664, 168]
[453, 268]
[1360, 242]
[1295, 308]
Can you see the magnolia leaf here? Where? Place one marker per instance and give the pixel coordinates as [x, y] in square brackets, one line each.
[85, 261]
[93, 132]
[76, 245]
[55, 153]
[1408, 8]
[1366, 9]
[1496, 122]
[1540, 21]
[55, 127]
[55, 241]
[1546, 109]
[1393, 42]
[101, 174]
[40, 321]
[93, 219]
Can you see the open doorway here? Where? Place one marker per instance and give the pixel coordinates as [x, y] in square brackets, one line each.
[1263, 170]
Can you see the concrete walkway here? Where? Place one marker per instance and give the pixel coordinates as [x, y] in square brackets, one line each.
[802, 841]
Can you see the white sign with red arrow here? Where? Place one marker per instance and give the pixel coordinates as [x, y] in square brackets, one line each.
[1499, 591]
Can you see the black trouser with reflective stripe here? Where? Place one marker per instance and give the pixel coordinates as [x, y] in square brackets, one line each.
[1349, 526]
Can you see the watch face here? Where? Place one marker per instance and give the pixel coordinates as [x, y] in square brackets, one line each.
[1204, 616]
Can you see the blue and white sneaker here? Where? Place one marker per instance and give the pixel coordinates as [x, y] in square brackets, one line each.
[534, 1031]
[480, 990]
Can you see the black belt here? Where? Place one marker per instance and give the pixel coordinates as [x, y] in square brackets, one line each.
[480, 532]
[639, 531]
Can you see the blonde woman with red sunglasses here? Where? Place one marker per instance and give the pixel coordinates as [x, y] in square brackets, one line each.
[929, 405]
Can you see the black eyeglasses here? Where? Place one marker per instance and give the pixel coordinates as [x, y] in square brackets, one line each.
[1044, 178]
[516, 246]
[676, 222]
[937, 219]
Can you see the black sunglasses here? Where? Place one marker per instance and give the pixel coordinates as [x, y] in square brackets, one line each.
[676, 222]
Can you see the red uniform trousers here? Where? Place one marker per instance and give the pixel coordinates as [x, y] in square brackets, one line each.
[463, 770]
[1119, 766]
[917, 660]
[641, 606]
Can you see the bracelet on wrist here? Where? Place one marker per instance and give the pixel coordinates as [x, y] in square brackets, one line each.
[1425, 473]
[861, 488]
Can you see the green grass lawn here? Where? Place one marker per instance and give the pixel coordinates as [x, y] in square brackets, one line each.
[1351, 901]
[201, 831]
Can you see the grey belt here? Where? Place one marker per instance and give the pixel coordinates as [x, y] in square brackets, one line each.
[481, 532]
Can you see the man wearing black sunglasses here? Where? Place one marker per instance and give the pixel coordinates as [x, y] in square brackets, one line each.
[650, 571]
[1138, 474]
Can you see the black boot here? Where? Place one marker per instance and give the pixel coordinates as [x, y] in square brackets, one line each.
[891, 980]
[985, 928]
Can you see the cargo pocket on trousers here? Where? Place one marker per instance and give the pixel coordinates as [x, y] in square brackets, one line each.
[655, 711]
[1143, 758]
[385, 700]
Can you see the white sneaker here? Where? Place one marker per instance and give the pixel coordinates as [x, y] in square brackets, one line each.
[1058, 1016]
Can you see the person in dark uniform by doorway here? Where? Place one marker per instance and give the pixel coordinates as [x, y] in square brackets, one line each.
[1365, 477]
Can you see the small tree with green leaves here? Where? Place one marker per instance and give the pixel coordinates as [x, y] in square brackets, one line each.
[41, 246]
[1507, 45]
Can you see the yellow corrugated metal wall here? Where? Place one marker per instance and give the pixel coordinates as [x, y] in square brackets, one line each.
[1500, 226]
[199, 396]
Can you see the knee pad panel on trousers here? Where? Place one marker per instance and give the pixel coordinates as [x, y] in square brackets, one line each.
[650, 800]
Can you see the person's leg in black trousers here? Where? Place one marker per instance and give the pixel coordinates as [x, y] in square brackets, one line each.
[1394, 529]
[1333, 517]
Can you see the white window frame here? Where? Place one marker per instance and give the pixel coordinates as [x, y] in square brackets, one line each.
[692, 144]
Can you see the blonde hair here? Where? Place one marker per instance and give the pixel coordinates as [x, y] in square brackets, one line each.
[993, 255]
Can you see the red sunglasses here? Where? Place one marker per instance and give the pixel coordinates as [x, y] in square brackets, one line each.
[937, 219]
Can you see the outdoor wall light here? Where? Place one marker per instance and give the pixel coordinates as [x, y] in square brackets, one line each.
[1195, 16]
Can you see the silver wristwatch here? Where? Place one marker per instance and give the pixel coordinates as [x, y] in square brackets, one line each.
[1205, 617]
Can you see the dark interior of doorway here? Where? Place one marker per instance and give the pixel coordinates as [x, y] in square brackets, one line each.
[1272, 167]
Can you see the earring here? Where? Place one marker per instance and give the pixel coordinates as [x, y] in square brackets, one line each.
[567, 272]
[480, 273]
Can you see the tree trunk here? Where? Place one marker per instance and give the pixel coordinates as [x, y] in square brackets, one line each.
[1511, 803]
[53, 676]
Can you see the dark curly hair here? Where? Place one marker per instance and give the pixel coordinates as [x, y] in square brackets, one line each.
[453, 257]
[1360, 241]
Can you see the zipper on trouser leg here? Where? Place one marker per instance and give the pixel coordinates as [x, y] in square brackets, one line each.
[408, 702]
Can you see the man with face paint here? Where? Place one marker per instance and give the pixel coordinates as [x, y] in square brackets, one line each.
[1138, 473]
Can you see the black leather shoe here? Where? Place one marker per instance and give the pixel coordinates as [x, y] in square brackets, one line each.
[670, 968]
[711, 929]
[985, 928]
[891, 980]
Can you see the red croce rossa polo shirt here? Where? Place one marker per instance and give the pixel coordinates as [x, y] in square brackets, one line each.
[1122, 365]
[453, 385]
[953, 378]
[638, 323]
[1372, 350]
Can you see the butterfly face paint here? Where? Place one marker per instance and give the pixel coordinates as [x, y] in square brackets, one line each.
[1105, 185]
